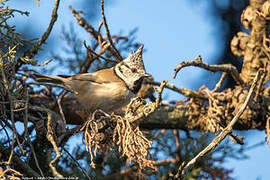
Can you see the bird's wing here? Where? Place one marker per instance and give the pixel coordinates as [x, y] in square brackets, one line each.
[101, 76]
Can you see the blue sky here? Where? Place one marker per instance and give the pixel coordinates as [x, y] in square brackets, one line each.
[172, 31]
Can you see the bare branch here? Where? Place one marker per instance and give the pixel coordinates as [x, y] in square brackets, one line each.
[78, 164]
[14, 131]
[218, 85]
[32, 52]
[99, 53]
[26, 134]
[50, 137]
[183, 91]
[115, 51]
[18, 163]
[216, 141]
[95, 34]
[159, 91]
[228, 68]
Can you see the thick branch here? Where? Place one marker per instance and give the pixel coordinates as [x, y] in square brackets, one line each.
[224, 132]
[165, 117]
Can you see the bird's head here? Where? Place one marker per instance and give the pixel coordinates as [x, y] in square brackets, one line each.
[131, 70]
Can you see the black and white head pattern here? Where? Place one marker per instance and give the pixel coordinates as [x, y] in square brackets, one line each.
[131, 70]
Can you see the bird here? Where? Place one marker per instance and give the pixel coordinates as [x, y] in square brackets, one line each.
[108, 89]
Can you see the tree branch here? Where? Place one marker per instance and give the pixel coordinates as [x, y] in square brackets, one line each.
[216, 141]
[32, 52]
[18, 163]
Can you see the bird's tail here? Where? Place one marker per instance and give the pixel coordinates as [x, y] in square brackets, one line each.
[48, 79]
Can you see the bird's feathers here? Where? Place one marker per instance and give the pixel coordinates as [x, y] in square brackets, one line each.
[107, 89]
[101, 76]
[48, 79]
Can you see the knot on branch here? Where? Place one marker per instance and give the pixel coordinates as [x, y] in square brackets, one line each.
[239, 43]
[247, 17]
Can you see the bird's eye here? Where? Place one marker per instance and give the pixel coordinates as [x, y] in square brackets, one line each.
[133, 70]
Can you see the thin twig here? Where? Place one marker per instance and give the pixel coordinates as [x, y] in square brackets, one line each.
[26, 134]
[116, 52]
[159, 91]
[162, 131]
[49, 29]
[98, 54]
[78, 164]
[183, 91]
[18, 163]
[228, 68]
[34, 155]
[261, 83]
[82, 22]
[121, 174]
[218, 85]
[88, 60]
[12, 148]
[14, 131]
[99, 34]
[14, 171]
[93, 33]
[59, 99]
[62, 139]
[32, 52]
[18, 11]
[165, 161]
[50, 137]
[234, 137]
[4, 128]
[25, 122]
[216, 141]
[178, 145]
